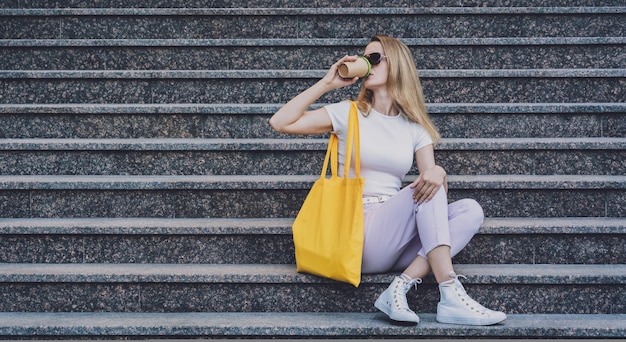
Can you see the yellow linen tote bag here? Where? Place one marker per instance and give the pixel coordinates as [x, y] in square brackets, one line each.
[328, 230]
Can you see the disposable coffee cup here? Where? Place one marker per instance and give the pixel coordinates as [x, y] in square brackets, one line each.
[359, 68]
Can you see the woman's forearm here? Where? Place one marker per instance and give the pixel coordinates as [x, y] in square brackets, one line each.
[291, 117]
[296, 107]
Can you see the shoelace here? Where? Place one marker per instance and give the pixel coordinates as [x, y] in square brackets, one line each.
[477, 306]
[410, 281]
[401, 302]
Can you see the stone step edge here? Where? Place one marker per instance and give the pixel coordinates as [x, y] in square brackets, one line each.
[299, 74]
[282, 226]
[299, 11]
[313, 42]
[293, 182]
[293, 144]
[270, 108]
[304, 325]
[537, 274]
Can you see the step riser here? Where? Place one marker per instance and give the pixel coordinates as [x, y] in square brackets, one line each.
[153, 125]
[544, 249]
[484, 248]
[175, 297]
[285, 203]
[203, 249]
[436, 90]
[149, 125]
[533, 162]
[305, 57]
[546, 203]
[260, 162]
[163, 163]
[313, 26]
[530, 125]
[294, 4]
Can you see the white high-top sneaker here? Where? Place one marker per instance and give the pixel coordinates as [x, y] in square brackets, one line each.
[457, 307]
[393, 300]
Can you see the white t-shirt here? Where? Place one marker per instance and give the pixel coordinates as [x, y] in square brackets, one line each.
[388, 145]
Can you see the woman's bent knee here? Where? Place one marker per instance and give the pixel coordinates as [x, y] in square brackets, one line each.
[472, 212]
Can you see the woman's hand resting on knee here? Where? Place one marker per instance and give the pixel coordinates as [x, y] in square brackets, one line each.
[428, 183]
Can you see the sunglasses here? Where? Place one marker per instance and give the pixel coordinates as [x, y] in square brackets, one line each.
[375, 58]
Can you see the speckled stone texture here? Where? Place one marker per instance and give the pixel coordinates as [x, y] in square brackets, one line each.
[541, 203]
[554, 159]
[281, 196]
[511, 125]
[251, 121]
[161, 163]
[314, 4]
[292, 325]
[142, 189]
[293, 54]
[140, 125]
[173, 249]
[138, 203]
[512, 241]
[543, 249]
[254, 288]
[299, 157]
[453, 87]
[405, 22]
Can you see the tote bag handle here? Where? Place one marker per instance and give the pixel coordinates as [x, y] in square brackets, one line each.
[352, 144]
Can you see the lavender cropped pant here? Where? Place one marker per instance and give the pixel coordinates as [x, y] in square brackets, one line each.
[399, 230]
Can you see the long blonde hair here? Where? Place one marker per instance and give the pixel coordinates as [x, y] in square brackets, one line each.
[403, 84]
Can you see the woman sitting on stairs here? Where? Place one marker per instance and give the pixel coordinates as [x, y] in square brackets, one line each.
[413, 230]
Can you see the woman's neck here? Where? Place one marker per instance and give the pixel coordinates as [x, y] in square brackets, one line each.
[383, 104]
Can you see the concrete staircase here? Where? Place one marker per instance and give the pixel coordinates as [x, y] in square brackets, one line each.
[143, 194]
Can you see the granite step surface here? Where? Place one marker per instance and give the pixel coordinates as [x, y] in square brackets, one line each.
[280, 226]
[164, 255]
[547, 156]
[311, 4]
[454, 120]
[281, 196]
[278, 86]
[122, 23]
[242, 54]
[556, 289]
[568, 240]
[299, 325]
[436, 22]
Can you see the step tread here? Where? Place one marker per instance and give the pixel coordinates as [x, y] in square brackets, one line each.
[300, 324]
[313, 42]
[149, 226]
[543, 274]
[270, 108]
[337, 11]
[301, 74]
[282, 226]
[231, 182]
[292, 144]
